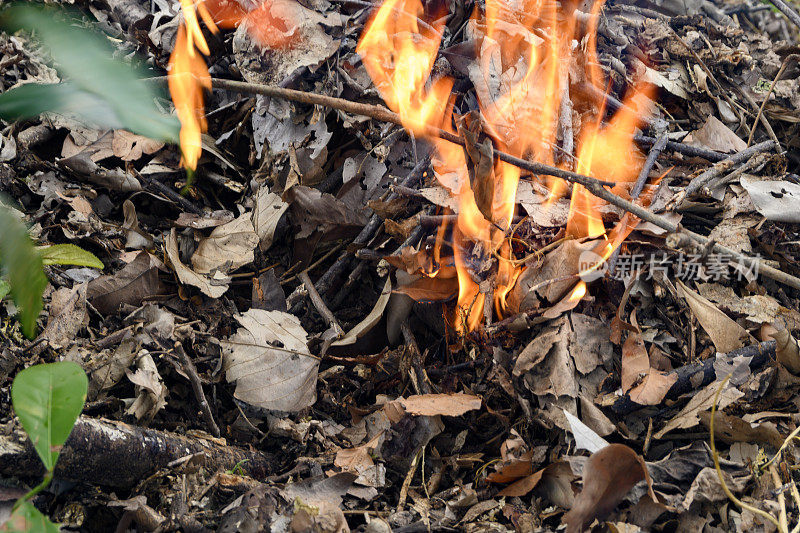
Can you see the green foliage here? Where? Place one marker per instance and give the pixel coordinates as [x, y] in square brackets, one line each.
[102, 90]
[27, 519]
[69, 254]
[48, 400]
[23, 268]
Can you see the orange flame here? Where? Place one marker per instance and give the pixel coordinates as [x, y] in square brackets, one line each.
[524, 53]
[188, 75]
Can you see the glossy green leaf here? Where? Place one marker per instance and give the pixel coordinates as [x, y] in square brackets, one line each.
[85, 57]
[48, 400]
[28, 519]
[69, 254]
[23, 268]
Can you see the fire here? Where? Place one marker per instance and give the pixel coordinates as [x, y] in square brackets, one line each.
[188, 75]
[524, 52]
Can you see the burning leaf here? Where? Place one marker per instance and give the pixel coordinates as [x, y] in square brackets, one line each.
[645, 385]
[214, 289]
[440, 404]
[725, 333]
[228, 248]
[607, 477]
[270, 362]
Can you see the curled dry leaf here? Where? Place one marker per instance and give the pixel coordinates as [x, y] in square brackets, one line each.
[130, 147]
[213, 288]
[268, 211]
[136, 238]
[151, 393]
[702, 401]
[440, 404]
[67, 315]
[607, 477]
[645, 385]
[270, 362]
[363, 327]
[725, 333]
[787, 350]
[228, 248]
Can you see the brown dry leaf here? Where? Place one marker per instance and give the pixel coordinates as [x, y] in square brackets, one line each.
[715, 135]
[269, 360]
[702, 401]
[729, 428]
[607, 477]
[130, 147]
[441, 197]
[204, 221]
[429, 290]
[137, 281]
[268, 211]
[359, 461]
[546, 364]
[725, 333]
[228, 248]
[440, 404]
[136, 238]
[363, 327]
[151, 393]
[645, 385]
[213, 288]
[66, 316]
[317, 211]
[110, 366]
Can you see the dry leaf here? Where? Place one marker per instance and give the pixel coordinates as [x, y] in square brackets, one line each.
[136, 238]
[151, 393]
[725, 333]
[787, 350]
[440, 404]
[429, 290]
[130, 147]
[137, 281]
[370, 320]
[270, 362]
[267, 213]
[607, 477]
[776, 200]
[715, 135]
[188, 276]
[228, 248]
[66, 316]
[585, 438]
[645, 385]
[702, 401]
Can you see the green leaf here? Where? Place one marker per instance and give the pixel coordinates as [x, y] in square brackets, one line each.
[86, 58]
[23, 266]
[69, 254]
[5, 288]
[28, 519]
[48, 400]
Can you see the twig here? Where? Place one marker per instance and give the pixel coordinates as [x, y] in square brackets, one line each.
[787, 10]
[383, 114]
[684, 149]
[644, 174]
[769, 93]
[316, 299]
[197, 388]
[593, 185]
[723, 166]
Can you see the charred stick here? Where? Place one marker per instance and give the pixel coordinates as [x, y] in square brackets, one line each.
[115, 454]
[319, 304]
[723, 166]
[197, 388]
[684, 149]
[694, 376]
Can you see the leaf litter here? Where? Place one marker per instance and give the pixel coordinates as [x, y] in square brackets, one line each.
[556, 411]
